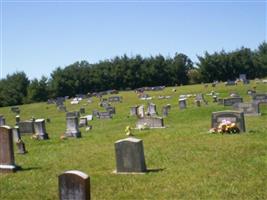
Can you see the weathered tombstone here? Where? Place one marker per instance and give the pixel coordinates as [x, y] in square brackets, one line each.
[200, 98]
[96, 113]
[220, 101]
[234, 94]
[82, 110]
[141, 111]
[15, 109]
[40, 129]
[130, 156]
[74, 185]
[249, 109]
[151, 122]
[259, 97]
[89, 117]
[26, 127]
[2, 120]
[62, 108]
[165, 110]
[152, 109]
[83, 122]
[72, 127]
[18, 141]
[232, 116]
[182, 103]
[230, 83]
[105, 115]
[111, 110]
[232, 101]
[115, 99]
[7, 159]
[17, 119]
[133, 110]
[73, 114]
[251, 92]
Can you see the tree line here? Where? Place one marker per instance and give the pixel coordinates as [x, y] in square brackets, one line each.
[123, 73]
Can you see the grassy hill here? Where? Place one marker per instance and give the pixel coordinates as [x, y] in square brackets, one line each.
[194, 163]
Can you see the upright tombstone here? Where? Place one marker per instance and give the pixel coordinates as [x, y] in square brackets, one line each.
[259, 97]
[7, 159]
[18, 141]
[165, 110]
[115, 99]
[15, 109]
[182, 103]
[232, 116]
[72, 127]
[141, 111]
[232, 101]
[74, 185]
[83, 122]
[17, 119]
[200, 98]
[152, 109]
[151, 122]
[96, 113]
[2, 120]
[73, 114]
[133, 110]
[26, 127]
[40, 129]
[198, 103]
[130, 156]
[111, 110]
[82, 110]
[249, 109]
[105, 115]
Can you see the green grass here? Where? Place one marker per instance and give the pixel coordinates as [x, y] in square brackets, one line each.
[194, 164]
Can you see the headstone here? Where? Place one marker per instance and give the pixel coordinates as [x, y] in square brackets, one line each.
[141, 111]
[251, 92]
[96, 113]
[151, 122]
[18, 141]
[7, 159]
[230, 83]
[74, 185]
[232, 101]
[198, 103]
[62, 108]
[259, 97]
[2, 120]
[152, 109]
[130, 156]
[165, 110]
[232, 116]
[73, 114]
[72, 127]
[26, 127]
[133, 110]
[40, 129]
[82, 110]
[89, 117]
[115, 99]
[105, 115]
[17, 119]
[83, 122]
[220, 101]
[15, 109]
[249, 109]
[182, 103]
[234, 94]
[111, 110]
[200, 98]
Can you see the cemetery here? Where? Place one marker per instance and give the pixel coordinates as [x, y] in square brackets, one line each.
[175, 157]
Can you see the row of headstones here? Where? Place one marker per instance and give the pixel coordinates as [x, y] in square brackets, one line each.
[151, 110]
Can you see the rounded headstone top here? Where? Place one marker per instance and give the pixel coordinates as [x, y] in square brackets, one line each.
[39, 120]
[129, 139]
[5, 126]
[76, 172]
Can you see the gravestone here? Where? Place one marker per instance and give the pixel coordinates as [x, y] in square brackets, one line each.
[105, 115]
[115, 99]
[151, 109]
[232, 116]
[249, 109]
[198, 103]
[200, 98]
[17, 119]
[82, 110]
[232, 101]
[18, 141]
[83, 122]
[151, 122]
[141, 111]
[182, 103]
[130, 156]
[15, 109]
[259, 97]
[251, 92]
[62, 108]
[111, 110]
[74, 185]
[2, 120]
[165, 110]
[26, 127]
[234, 94]
[40, 129]
[72, 127]
[230, 83]
[73, 114]
[7, 159]
[96, 113]
[133, 110]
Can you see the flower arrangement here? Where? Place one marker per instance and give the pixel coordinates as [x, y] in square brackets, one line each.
[225, 127]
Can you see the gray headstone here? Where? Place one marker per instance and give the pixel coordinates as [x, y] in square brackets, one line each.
[72, 127]
[105, 115]
[232, 116]
[165, 110]
[7, 159]
[182, 103]
[2, 120]
[232, 101]
[259, 97]
[133, 110]
[151, 122]
[83, 122]
[82, 110]
[26, 127]
[152, 109]
[111, 110]
[73, 114]
[141, 111]
[17, 119]
[74, 185]
[130, 156]
[249, 109]
[16, 134]
[115, 99]
[40, 129]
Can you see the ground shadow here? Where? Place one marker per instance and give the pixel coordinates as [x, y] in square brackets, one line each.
[27, 168]
[155, 170]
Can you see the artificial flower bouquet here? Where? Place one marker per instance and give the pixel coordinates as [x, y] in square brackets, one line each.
[225, 127]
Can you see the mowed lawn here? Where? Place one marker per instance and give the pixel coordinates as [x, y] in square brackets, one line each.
[187, 162]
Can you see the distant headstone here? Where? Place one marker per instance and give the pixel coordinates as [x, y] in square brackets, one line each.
[7, 160]
[130, 156]
[62, 108]
[40, 129]
[74, 185]
[250, 109]
[2, 120]
[141, 111]
[26, 127]
[72, 127]
[200, 98]
[17, 119]
[15, 109]
[151, 122]
[198, 103]
[18, 141]
[89, 117]
[182, 103]
[16, 134]
[96, 113]
[105, 115]
[133, 110]
[251, 92]
[73, 114]
[234, 94]
[232, 116]
[83, 122]
[115, 99]
[82, 110]
[165, 110]
[111, 110]
[152, 109]
[259, 97]
[232, 101]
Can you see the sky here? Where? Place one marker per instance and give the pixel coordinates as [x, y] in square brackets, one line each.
[39, 36]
